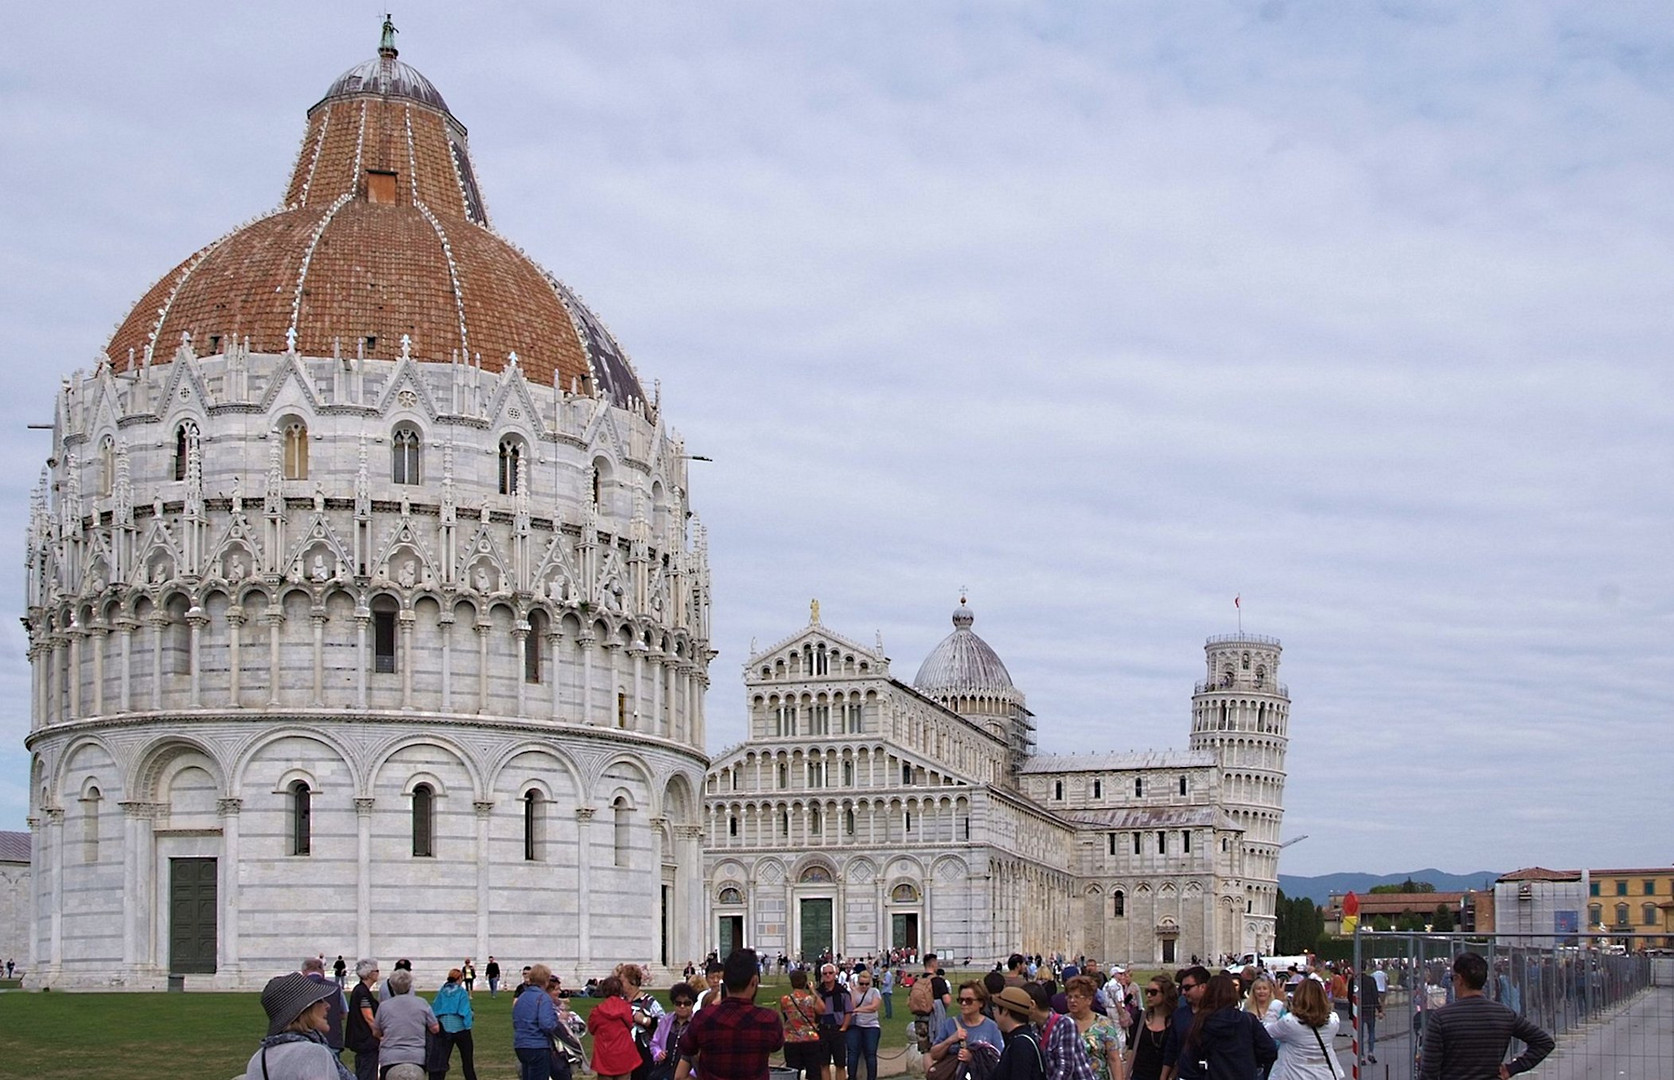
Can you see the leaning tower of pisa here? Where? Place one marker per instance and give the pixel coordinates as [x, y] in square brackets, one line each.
[1241, 711]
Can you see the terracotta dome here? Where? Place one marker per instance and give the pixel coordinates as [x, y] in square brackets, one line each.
[383, 236]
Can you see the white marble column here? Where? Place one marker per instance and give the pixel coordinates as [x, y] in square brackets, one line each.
[447, 622]
[554, 641]
[235, 684]
[363, 883]
[196, 620]
[228, 810]
[275, 620]
[584, 899]
[55, 856]
[520, 639]
[483, 807]
[318, 618]
[101, 637]
[363, 619]
[158, 622]
[405, 623]
[483, 626]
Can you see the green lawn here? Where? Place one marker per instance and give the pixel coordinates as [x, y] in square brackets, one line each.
[65, 1036]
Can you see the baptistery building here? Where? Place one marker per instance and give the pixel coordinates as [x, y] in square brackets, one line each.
[367, 611]
[865, 813]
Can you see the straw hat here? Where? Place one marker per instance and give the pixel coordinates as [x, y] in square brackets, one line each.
[1015, 1000]
[286, 997]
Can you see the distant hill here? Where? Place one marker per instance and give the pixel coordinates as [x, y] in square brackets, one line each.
[1319, 888]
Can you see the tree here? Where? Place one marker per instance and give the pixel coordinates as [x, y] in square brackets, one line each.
[1410, 921]
[1298, 924]
[1381, 922]
[1442, 920]
[1407, 886]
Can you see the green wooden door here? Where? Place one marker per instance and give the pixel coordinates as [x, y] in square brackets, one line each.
[192, 904]
[816, 928]
[903, 931]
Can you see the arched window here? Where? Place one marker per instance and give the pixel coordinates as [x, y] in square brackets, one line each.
[1245, 664]
[404, 456]
[1182, 785]
[1595, 914]
[813, 821]
[1261, 674]
[532, 644]
[107, 466]
[732, 824]
[90, 826]
[532, 825]
[621, 836]
[302, 818]
[424, 821]
[731, 895]
[511, 455]
[904, 893]
[385, 614]
[296, 450]
[185, 436]
[598, 486]
[1621, 914]
[1139, 787]
[1118, 903]
[849, 821]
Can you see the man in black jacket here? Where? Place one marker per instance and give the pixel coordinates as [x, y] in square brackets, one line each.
[1192, 982]
[1022, 1058]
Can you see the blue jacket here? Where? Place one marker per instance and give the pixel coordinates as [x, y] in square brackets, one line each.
[534, 1019]
[452, 1007]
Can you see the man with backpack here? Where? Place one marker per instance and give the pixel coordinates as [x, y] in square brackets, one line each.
[928, 1001]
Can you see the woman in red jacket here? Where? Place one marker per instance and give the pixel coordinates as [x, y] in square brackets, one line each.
[612, 1026]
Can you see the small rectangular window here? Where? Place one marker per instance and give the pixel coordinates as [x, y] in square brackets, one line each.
[1136, 843]
[1098, 789]
[1162, 843]
[1621, 888]
[1594, 888]
[1650, 888]
[1186, 841]
[1113, 843]
[380, 187]
[383, 641]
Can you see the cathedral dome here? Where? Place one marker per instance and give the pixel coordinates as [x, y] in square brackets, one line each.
[382, 246]
[962, 662]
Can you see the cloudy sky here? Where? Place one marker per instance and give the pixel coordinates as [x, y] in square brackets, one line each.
[1107, 312]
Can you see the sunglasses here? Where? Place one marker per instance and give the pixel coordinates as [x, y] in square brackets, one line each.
[1190, 986]
[968, 1001]
[1152, 990]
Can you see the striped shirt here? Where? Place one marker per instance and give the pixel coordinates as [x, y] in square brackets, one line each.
[1468, 1039]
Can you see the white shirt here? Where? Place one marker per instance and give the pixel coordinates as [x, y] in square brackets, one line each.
[1299, 1049]
[1381, 978]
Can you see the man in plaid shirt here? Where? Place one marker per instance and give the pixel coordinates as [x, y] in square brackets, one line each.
[1066, 1054]
[731, 1040]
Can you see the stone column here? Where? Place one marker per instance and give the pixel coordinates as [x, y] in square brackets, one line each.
[318, 618]
[196, 620]
[483, 626]
[406, 621]
[158, 622]
[101, 636]
[584, 899]
[363, 884]
[659, 723]
[76, 634]
[585, 644]
[611, 647]
[235, 685]
[275, 620]
[363, 619]
[636, 716]
[554, 641]
[55, 852]
[446, 621]
[228, 810]
[520, 635]
[37, 846]
[483, 807]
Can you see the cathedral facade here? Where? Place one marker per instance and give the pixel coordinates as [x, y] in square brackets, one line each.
[863, 813]
[366, 608]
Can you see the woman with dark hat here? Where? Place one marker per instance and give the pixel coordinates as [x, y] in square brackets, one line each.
[295, 1047]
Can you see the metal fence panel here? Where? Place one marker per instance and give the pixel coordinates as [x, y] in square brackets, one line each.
[1609, 1005]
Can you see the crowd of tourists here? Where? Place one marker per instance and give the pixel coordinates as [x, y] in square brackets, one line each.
[1028, 1019]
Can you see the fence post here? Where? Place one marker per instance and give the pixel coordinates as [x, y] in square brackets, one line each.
[1354, 1004]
